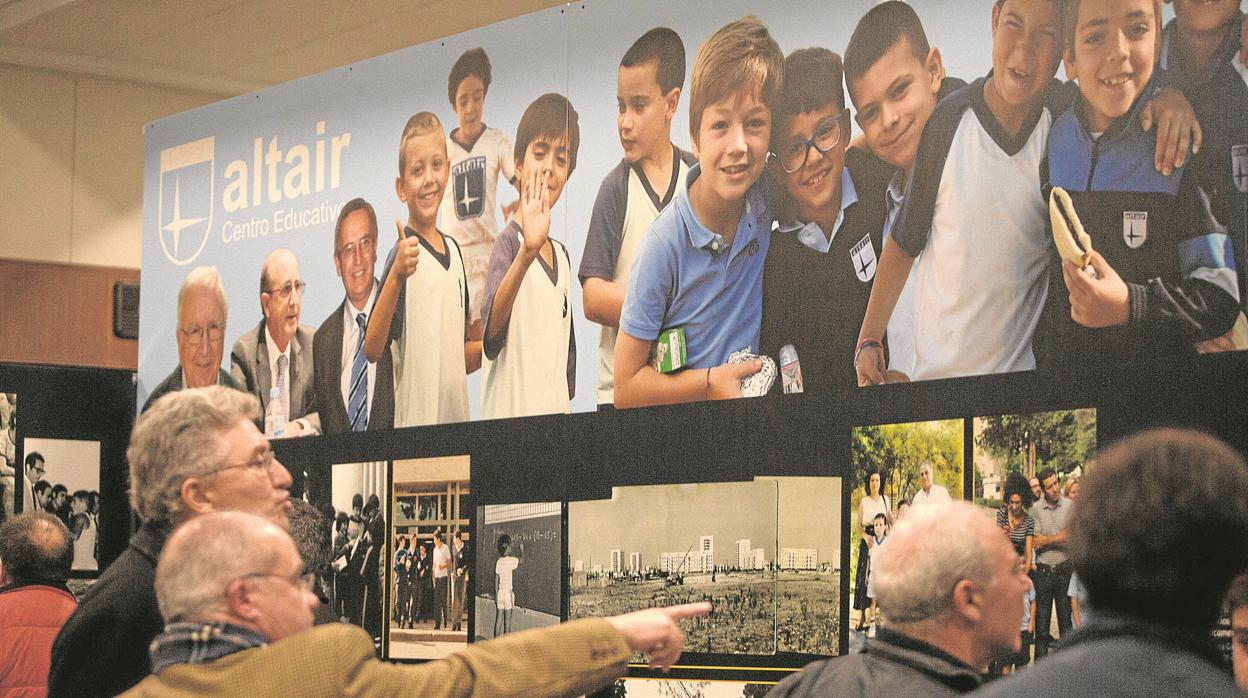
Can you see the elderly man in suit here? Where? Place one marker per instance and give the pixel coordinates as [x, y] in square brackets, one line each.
[351, 393]
[202, 310]
[278, 353]
[193, 452]
[240, 614]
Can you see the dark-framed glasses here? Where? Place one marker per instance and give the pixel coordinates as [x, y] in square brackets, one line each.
[827, 135]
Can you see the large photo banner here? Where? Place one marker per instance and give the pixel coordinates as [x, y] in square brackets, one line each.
[520, 220]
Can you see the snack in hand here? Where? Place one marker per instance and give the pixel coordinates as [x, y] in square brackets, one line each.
[1072, 241]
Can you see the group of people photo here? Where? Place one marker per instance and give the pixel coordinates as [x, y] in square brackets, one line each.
[78, 510]
[430, 583]
[872, 216]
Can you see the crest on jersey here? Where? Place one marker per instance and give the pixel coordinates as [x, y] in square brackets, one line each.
[186, 197]
[468, 177]
[1134, 228]
[1239, 167]
[862, 254]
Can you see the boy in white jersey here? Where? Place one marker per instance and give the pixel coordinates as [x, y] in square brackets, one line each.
[422, 309]
[478, 155]
[530, 347]
[651, 78]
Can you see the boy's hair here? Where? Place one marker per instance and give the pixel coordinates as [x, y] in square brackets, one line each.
[664, 47]
[550, 116]
[1237, 597]
[1068, 20]
[741, 55]
[84, 495]
[813, 80]
[504, 542]
[878, 31]
[881, 515]
[470, 62]
[420, 124]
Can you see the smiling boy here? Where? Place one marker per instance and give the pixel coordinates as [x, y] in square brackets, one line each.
[651, 77]
[530, 346]
[700, 270]
[1162, 271]
[422, 309]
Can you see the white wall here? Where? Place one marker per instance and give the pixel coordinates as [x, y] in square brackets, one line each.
[71, 164]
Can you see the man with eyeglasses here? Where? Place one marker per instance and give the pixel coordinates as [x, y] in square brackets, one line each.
[202, 310]
[240, 623]
[193, 452]
[822, 258]
[278, 353]
[353, 394]
[35, 468]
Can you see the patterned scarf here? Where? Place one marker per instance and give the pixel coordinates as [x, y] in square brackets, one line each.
[197, 643]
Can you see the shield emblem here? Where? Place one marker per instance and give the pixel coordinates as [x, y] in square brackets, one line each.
[862, 254]
[469, 179]
[187, 193]
[1134, 228]
[1239, 167]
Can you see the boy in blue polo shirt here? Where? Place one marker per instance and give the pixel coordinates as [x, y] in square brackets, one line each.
[700, 269]
[1163, 274]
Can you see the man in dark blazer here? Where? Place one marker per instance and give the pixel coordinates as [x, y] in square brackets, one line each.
[202, 310]
[279, 344]
[336, 341]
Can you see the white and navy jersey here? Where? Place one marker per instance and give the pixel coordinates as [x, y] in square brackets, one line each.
[530, 366]
[469, 209]
[428, 334]
[625, 208]
[1219, 94]
[974, 217]
[1162, 235]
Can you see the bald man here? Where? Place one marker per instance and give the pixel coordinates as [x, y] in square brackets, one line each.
[951, 591]
[240, 610]
[278, 353]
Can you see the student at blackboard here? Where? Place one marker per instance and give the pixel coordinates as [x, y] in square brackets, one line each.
[504, 593]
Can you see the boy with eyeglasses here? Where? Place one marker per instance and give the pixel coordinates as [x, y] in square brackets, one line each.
[822, 259]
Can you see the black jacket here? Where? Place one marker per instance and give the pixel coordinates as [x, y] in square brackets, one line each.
[892, 664]
[102, 649]
[1117, 656]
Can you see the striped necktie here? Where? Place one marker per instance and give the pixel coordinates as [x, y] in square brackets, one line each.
[282, 396]
[357, 397]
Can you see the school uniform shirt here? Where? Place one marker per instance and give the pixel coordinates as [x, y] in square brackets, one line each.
[530, 367]
[469, 205]
[1219, 94]
[974, 218]
[625, 208]
[1161, 234]
[428, 332]
[815, 289]
[685, 275]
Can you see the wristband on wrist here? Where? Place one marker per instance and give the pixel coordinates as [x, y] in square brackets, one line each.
[866, 342]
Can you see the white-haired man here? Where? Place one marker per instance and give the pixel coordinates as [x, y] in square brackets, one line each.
[194, 451]
[951, 591]
[239, 608]
[202, 310]
[929, 492]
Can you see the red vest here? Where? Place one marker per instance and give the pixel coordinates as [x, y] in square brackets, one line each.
[30, 618]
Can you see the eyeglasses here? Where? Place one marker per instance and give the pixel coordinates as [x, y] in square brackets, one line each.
[196, 333]
[257, 466]
[364, 246]
[283, 292]
[827, 135]
[304, 582]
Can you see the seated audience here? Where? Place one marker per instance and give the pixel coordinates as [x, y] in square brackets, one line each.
[1140, 539]
[36, 551]
[951, 591]
[193, 451]
[239, 611]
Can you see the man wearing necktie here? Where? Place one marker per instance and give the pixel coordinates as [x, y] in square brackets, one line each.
[352, 394]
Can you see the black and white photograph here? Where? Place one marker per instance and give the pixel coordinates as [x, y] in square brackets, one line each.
[519, 567]
[8, 454]
[765, 553]
[672, 688]
[358, 496]
[431, 558]
[62, 478]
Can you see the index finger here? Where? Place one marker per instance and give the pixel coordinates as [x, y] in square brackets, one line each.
[687, 610]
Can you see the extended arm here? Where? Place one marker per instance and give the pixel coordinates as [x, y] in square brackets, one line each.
[890, 278]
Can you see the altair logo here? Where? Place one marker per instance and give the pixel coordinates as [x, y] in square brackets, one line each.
[187, 194]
